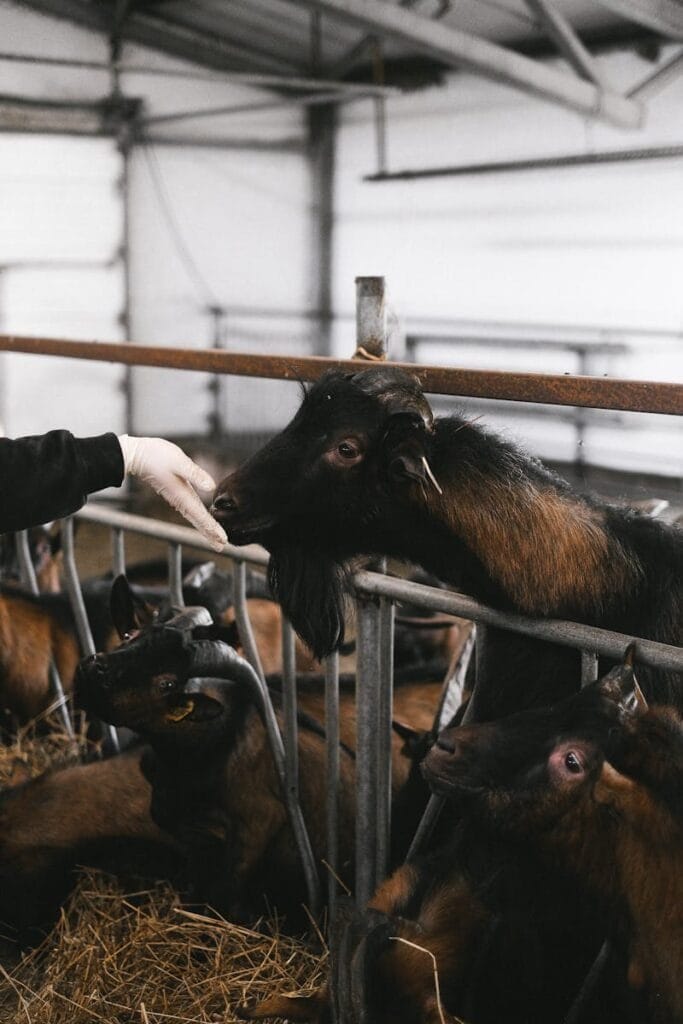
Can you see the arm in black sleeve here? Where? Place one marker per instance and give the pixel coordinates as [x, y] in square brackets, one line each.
[50, 476]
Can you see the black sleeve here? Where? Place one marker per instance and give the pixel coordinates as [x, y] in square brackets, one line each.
[50, 476]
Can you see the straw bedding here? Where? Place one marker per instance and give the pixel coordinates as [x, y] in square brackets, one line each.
[139, 956]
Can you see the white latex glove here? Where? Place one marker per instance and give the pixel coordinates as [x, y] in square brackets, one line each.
[167, 469]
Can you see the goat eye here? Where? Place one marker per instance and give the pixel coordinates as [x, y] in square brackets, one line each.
[573, 763]
[166, 683]
[348, 450]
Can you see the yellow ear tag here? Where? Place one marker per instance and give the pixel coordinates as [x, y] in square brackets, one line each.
[177, 714]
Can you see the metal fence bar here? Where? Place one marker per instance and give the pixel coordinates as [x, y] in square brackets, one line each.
[118, 552]
[589, 667]
[289, 709]
[332, 753]
[246, 633]
[569, 634]
[548, 388]
[85, 637]
[28, 579]
[175, 574]
[367, 746]
[385, 702]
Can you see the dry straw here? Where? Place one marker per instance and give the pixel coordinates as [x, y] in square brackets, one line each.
[140, 957]
[122, 957]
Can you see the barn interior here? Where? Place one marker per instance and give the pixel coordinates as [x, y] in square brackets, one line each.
[215, 175]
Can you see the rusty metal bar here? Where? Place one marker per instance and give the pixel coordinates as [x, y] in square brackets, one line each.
[548, 388]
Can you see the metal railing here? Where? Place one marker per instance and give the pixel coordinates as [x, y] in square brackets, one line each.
[375, 593]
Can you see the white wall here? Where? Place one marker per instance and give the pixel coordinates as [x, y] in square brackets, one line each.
[208, 226]
[593, 245]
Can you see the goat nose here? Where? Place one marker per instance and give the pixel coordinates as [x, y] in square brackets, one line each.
[223, 503]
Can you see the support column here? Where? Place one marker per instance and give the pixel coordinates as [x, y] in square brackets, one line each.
[321, 144]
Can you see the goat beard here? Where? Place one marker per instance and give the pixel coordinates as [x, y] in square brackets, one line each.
[311, 588]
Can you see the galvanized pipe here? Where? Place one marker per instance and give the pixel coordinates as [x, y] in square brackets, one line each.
[332, 751]
[296, 818]
[73, 589]
[367, 746]
[289, 709]
[175, 574]
[589, 667]
[385, 707]
[28, 579]
[371, 317]
[246, 633]
[569, 634]
[118, 552]
[548, 388]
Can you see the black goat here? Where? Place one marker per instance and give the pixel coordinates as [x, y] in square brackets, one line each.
[215, 784]
[365, 468]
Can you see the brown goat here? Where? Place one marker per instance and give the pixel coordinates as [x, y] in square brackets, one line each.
[62, 818]
[539, 805]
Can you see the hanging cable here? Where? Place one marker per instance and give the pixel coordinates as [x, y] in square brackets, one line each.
[202, 286]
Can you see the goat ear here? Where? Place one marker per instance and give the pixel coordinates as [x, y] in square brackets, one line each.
[128, 612]
[612, 787]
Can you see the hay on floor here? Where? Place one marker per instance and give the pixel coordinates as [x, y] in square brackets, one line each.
[141, 957]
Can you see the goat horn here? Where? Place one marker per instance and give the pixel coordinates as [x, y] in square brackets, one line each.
[218, 660]
[399, 392]
[430, 475]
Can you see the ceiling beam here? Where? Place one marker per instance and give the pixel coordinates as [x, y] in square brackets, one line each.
[461, 50]
[665, 16]
[567, 41]
[159, 34]
[659, 78]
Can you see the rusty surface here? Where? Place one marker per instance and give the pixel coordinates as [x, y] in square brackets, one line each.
[547, 388]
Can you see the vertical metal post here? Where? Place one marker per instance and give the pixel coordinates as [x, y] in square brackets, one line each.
[28, 579]
[73, 588]
[216, 426]
[371, 318]
[332, 746]
[175, 574]
[124, 148]
[244, 629]
[322, 123]
[118, 552]
[385, 699]
[589, 667]
[367, 746]
[290, 723]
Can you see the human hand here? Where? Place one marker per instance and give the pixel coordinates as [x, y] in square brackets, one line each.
[174, 476]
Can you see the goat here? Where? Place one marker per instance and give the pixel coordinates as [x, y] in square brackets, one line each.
[45, 550]
[364, 467]
[499, 906]
[215, 783]
[81, 814]
[609, 810]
